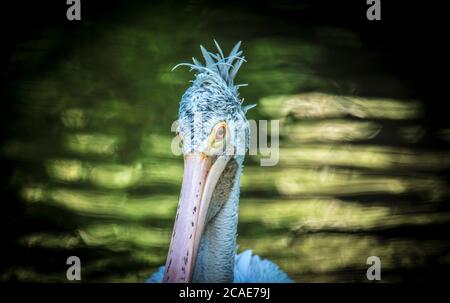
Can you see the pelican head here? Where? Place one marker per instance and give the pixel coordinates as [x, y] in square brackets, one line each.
[214, 133]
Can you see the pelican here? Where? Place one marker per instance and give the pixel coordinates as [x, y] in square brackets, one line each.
[214, 134]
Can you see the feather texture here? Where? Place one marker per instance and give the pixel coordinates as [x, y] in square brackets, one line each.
[248, 268]
[214, 97]
[218, 71]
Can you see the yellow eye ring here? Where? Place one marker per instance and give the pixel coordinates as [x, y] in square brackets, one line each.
[217, 139]
[220, 132]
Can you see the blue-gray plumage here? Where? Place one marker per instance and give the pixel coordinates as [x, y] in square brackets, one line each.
[248, 268]
[215, 135]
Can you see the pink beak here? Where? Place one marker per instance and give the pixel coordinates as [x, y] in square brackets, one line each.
[199, 181]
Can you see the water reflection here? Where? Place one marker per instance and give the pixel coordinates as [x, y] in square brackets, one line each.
[319, 105]
[90, 143]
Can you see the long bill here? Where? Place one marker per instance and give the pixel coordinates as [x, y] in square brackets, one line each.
[199, 181]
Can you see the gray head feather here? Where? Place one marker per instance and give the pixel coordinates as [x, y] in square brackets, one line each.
[213, 94]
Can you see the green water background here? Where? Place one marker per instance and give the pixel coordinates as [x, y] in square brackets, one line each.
[88, 169]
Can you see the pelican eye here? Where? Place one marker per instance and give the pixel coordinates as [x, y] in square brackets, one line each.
[217, 139]
[220, 133]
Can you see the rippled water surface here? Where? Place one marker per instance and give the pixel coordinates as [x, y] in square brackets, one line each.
[90, 171]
